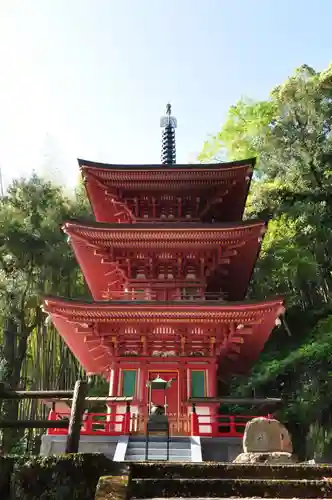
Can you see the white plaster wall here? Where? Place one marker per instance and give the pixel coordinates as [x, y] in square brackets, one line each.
[122, 409]
[204, 415]
[55, 445]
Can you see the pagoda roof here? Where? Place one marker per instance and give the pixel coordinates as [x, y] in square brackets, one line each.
[98, 248]
[177, 166]
[113, 310]
[92, 329]
[217, 190]
[103, 233]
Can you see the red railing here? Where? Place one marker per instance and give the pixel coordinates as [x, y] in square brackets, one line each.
[219, 425]
[173, 295]
[105, 424]
[95, 424]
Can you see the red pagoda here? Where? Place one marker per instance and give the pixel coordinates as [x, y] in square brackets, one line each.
[168, 262]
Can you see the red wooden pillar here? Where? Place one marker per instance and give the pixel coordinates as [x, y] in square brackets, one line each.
[110, 407]
[111, 380]
[126, 420]
[194, 422]
[52, 416]
[212, 383]
[143, 381]
[183, 389]
[116, 378]
[114, 388]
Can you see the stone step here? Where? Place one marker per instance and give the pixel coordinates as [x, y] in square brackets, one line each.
[219, 470]
[179, 450]
[141, 456]
[226, 488]
[172, 441]
[158, 451]
[157, 458]
[162, 454]
[154, 446]
[176, 446]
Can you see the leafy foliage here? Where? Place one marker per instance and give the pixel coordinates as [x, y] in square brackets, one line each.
[290, 133]
[35, 259]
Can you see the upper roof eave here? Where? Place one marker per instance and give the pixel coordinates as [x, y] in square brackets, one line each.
[192, 226]
[177, 166]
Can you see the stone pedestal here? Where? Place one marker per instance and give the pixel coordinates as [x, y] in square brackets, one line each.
[271, 458]
[266, 441]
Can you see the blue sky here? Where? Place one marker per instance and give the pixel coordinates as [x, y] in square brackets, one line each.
[90, 78]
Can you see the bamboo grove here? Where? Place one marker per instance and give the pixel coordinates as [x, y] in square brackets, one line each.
[35, 259]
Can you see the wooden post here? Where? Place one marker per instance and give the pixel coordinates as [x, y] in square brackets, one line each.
[75, 423]
[35, 394]
[194, 421]
[33, 424]
[126, 421]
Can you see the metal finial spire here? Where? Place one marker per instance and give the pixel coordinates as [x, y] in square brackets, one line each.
[168, 149]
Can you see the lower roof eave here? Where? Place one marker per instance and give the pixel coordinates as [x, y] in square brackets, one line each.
[122, 310]
[180, 304]
[75, 322]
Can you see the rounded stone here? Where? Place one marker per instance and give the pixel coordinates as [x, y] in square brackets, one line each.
[266, 435]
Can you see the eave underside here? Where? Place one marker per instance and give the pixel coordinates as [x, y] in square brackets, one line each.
[99, 333]
[132, 193]
[222, 256]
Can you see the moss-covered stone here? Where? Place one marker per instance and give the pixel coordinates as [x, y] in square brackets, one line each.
[112, 488]
[214, 470]
[73, 477]
[275, 457]
[63, 477]
[227, 488]
[58, 477]
[165, 480]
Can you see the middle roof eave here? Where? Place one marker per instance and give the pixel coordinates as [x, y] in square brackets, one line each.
[162, 226]
[61, 305]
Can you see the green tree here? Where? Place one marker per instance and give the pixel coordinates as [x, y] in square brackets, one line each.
[290, 134]
[34, 259]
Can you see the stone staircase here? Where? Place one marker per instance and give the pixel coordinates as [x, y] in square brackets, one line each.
[179, 449]
[208, 480]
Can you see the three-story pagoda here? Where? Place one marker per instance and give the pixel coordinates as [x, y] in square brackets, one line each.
[168, 262]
